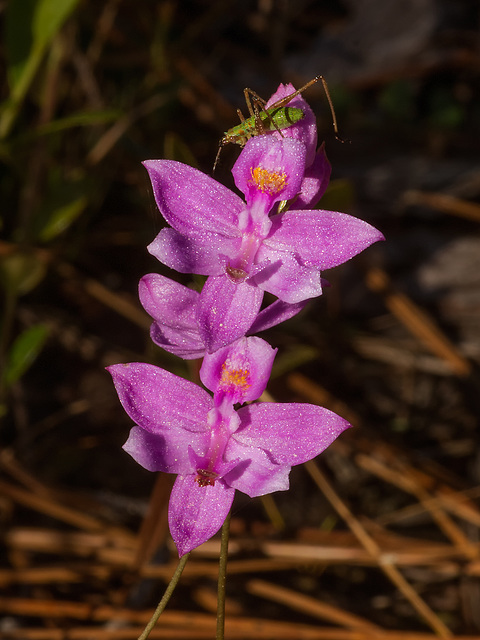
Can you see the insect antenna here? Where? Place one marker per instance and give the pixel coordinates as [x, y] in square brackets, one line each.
[332, 110]
[217, 157]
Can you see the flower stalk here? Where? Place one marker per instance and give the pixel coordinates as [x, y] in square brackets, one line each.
[222, 579]
[166, 597]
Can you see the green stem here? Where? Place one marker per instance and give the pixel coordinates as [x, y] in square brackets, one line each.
[166, 597]
[222, 578]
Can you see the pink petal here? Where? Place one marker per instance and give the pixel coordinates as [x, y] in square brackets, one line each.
[323, 239]
[239, 371]
[196, 513]
[284, 157]
[194, 252]
[315, 182]
[184, 343]
[256, 474]
[286, 277]
[276, 313]
[168, 453]
[188, 199]
[155, 399]
[306, 128]
[291, 433]
[173, 308]
[167, 301]
[226, 311]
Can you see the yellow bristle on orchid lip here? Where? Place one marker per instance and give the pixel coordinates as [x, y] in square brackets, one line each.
[268, 181]
[239, 378]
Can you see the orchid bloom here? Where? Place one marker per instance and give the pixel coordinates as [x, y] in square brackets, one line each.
[304, 130]
[243, 249]
[173, 308]
[317, 168]
[214, 448]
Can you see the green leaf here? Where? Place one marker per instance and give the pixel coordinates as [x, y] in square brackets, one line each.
[49, 17]
[30, 27]
[23, 353]
[61, 218]
[20, 272]
[62, 204]
[80, 119]
[18, 36]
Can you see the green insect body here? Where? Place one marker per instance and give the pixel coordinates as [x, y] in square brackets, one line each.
[269, 120]
[274, 118]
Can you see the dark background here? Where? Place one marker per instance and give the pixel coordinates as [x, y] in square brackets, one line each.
[393, 345]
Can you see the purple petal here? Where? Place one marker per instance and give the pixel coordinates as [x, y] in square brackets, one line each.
[173, 308]
[167, 301]
[305, 129]
[196, 513]
[183, 343]
[257, 474]
[190, 200]
[239, 371]
[155, 399]
[291, 433]
[315, 182]
[226, 311]
[323, 239]
[276, 313]
[194, 252]
[286, 277]
[168, 453]
[281, 161]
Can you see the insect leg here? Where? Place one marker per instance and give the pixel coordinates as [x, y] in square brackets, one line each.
[284, 101]
[332, 110]
[259, 105]
[252, 97]
[250, 92]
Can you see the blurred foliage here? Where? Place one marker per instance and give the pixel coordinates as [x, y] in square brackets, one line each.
[23, 352]
[58, 124]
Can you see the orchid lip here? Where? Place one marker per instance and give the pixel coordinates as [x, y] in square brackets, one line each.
[236, 275]
[206, 478]
[269, 182]
[239, 271]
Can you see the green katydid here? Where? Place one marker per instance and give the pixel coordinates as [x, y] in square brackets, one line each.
[274, 118]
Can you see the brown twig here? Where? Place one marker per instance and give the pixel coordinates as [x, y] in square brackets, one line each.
[417, 321]
[309, 606]
[385, 563]
[444, 203]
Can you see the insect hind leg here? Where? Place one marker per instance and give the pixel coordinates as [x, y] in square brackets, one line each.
[249, 95]
[240, 115]
[255, 105]
[284, 101]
